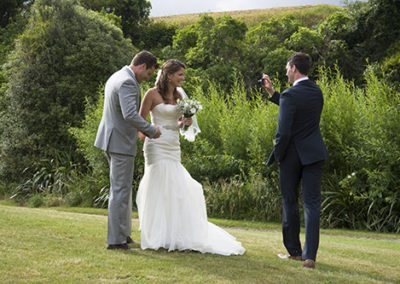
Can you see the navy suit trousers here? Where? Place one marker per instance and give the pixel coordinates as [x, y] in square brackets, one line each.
[292, 174]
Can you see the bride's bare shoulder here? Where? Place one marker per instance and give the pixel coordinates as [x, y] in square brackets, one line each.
[153, 97]
[152, 92]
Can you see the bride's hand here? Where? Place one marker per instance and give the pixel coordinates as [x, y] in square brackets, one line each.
[141, 136]
[185, 121]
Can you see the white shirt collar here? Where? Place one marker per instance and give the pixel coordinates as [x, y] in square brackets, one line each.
[299, 80]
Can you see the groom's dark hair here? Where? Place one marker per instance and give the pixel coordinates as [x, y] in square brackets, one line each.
[145, 57]
[302, 61]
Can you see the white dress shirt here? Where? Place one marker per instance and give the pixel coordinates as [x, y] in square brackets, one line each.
[299, 80]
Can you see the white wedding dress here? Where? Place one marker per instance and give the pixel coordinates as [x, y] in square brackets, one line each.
[171, 204]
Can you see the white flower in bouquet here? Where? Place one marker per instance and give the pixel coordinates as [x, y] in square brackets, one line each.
[188, 108]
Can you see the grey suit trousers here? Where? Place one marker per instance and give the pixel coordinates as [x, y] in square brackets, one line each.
[120, 197]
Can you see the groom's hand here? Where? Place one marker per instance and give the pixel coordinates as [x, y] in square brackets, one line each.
[158, 133]
[268, 85]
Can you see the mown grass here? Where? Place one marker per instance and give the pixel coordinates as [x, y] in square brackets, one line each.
[55, 246]
[310, 15]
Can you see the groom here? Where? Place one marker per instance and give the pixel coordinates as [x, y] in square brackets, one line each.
[117, 135]
[300, 153]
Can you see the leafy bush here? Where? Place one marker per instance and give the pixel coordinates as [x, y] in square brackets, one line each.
[204, 162]
[49, 177]
[390, 65]
[215, 46]
[3, 189]
[256, 198]
[36, 201]
[361, 129]
[53, 200]
[59, 61]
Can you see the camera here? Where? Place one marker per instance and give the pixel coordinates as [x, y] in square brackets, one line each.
[261, 81]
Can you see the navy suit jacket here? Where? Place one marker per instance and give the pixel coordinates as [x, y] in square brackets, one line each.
[300, 110]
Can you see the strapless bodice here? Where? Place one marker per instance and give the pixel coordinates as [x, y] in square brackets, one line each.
[165, 116]
[167, 147]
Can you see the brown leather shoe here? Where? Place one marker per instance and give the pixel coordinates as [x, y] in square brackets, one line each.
[288, 256]
[309, 263]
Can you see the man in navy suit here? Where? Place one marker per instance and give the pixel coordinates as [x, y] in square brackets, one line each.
[300, 153]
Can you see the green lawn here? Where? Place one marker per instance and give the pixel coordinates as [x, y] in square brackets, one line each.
[56, 246]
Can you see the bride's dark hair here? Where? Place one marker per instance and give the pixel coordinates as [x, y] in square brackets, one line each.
[171, 66]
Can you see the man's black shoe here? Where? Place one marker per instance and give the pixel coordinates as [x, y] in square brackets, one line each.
[118, 246]
[132, 243]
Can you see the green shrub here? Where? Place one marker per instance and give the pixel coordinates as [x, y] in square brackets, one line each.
[36, 201]
[53, 200]
[3, 189]
[86, 135]
[49, 177]
[361, 129]
[257, 198]
[204, 162]
[58, 62]
[73, 198]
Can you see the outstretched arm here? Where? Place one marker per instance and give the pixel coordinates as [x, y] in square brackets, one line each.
[273, 95]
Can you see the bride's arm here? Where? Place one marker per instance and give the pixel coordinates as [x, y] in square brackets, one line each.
[145, 108]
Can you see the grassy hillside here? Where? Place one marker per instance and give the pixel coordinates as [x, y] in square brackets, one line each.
[309, 15]
[49, 246]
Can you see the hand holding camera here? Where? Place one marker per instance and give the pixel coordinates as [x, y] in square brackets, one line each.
[267, 84]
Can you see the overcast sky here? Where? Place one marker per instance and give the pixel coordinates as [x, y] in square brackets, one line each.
[176, 7]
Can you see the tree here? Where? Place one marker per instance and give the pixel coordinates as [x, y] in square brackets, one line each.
[10, 8]
[157, 35]
[306, 40]
[134, 15]
[266, 50]
[376, 28]
[213, 46]
[373, 29]
[336, 26]
[58, 63]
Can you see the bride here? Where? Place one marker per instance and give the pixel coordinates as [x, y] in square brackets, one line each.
[171, 205]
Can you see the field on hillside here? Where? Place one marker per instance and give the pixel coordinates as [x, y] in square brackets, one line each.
[309, 15]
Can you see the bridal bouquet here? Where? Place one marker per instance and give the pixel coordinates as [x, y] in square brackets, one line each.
[188, 107]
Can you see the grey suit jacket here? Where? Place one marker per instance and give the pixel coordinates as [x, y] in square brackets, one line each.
[120, 122]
